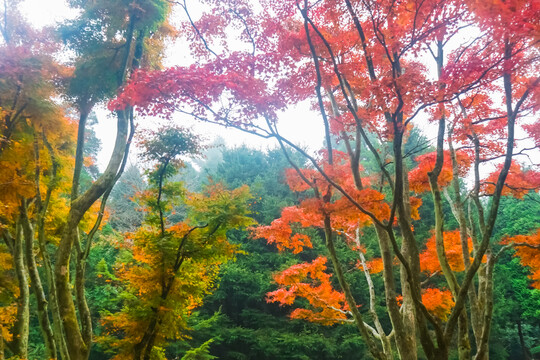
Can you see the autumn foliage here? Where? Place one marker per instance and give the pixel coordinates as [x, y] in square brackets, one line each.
[439, 302]
[171, 266]
[429, 261]
[311, 282]
[429, 114]
[527, 249]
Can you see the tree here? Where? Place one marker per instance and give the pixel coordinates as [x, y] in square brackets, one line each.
[173, 265]
[100, 70]
[359, 62]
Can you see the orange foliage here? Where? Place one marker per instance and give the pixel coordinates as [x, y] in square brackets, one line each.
[8, 316]
[280, 232]
[438, 302]
[294, 180]
[28, 74]
[415, 205]
[375, 266]
[418, 177]
[339, 172]
[311, 282]
[172, 271]
[518, 183]
[528, 250]
[345, 218]
[345, 215]
[429, 261]
[9, 291]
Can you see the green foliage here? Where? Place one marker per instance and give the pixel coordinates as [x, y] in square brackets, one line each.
[101, 38]
[518, 216]
[167, 145]
[515, 301]
[200, 353]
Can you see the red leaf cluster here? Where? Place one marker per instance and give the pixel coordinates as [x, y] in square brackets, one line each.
[518, 182]
[418, 177]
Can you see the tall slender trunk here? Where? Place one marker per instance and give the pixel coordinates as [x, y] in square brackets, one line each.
[42, 208]
[385, 340]
[404, 340]
[409, 247]
[79, 152]
[482, 352]
[464, 347]
[143, 350]
[21, 327]
[82, 305]
[42, 304]
[78, 333]
[459, 213]
[526, 352]
[59, 332]
[407, 307]
[338, 271]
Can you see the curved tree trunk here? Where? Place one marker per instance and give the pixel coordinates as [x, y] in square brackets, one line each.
[78, 349]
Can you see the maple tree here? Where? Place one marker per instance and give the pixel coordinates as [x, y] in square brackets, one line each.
[364, 66]
[172, 265]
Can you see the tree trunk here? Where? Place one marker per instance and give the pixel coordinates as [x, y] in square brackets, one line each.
[42, 304]
[21, 327]
[58, 333]
[385, 341]
[404, 340]
[407, 307]
[338, 271]
[82, 305]
[77, 348]
[482, 352]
